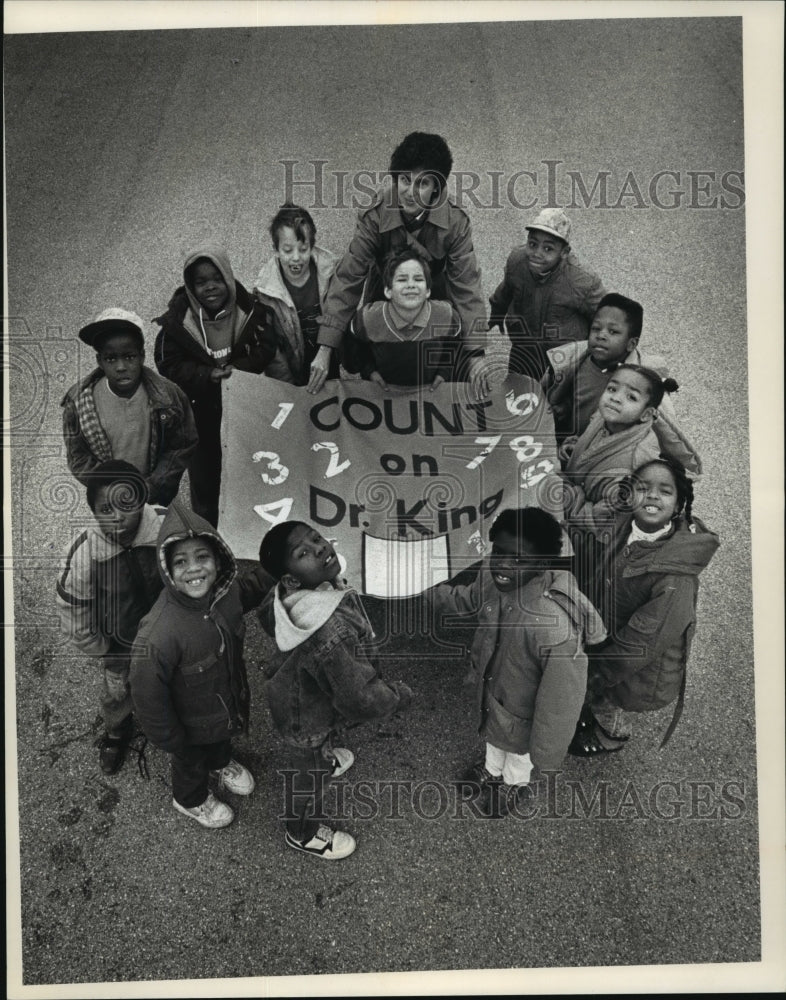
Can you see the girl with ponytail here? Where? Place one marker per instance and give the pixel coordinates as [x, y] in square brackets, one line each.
[648, 598]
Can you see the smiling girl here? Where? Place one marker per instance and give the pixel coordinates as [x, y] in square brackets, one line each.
[649, 587]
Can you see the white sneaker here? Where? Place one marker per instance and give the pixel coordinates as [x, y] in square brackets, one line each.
[332, 845]
[236, 778]
[213, 813]
[344, 759]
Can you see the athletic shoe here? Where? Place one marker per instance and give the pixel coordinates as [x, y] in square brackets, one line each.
[331, 845]
[236, 778]
[213, 813]
[343, 760]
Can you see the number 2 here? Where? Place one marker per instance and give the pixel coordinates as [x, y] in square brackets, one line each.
[334, 466]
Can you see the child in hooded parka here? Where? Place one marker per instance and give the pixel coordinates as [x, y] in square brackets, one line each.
[649, 588]
[212, 326]
[188, 677]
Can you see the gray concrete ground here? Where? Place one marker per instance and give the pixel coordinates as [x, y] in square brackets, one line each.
[124, 151]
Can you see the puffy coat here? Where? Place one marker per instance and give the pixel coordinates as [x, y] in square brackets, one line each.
[529, 660]
[181, 358]
[188, 678]
[650, 591]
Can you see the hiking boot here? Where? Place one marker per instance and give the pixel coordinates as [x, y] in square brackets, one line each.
[236, 778]
[343, 759]
[213, 813]
[331, 845]
[112, 749]
[476, 778]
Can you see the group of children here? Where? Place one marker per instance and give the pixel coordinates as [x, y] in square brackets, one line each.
[561, 659]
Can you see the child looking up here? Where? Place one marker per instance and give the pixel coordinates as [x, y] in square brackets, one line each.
[108, 583]
[408, 339]
[188, 677]
[527, 655]
[212, 326]
[321, 678]
[650, 587]
[411, 210]
[620, 436]
[291, 285]
[546, 298]
[126, 411]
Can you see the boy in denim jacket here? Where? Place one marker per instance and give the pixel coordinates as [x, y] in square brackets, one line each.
[321, 678]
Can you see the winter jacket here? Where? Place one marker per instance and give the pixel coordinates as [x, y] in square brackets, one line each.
[173, 434]
[540, 313]
[104, 589]
[182, 358]
[529, 660]
[597, 465]
[564, 364]
[320, 678]
[650, 591]
[445, 241]
[188, 679]
[289, 364]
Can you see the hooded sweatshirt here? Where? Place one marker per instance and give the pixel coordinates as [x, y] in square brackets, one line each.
[650, 593]
[186, 346]
[188, 679]
[322, 678]
[528, 658]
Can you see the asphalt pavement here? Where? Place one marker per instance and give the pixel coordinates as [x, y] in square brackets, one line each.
[126, 150]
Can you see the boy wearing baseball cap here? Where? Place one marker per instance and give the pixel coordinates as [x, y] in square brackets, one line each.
[546, 298]
[124, 410]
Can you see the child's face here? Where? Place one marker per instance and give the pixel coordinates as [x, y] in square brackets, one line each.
[116, 514]
[310, 559]
[209, 287]
[120, 359]
[656, 498]
[609, 338]
[193, 567]
[511, 562]
[625, 400]
[409, 289]
[544, 251]
[293, 255]
[415, 190]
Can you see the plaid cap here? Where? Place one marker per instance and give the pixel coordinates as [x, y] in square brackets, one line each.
[114, 320]
[554, 221]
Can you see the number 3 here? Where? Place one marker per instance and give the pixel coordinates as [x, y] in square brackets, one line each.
[274, 465]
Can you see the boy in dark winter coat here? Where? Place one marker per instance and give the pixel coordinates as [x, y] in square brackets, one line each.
[546, 297]
[528, 655]
[108, 583]
[212, 326]
[321, 678]
[188, 677]
[124, 410]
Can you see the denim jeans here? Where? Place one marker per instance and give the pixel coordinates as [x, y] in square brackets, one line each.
[305, 786]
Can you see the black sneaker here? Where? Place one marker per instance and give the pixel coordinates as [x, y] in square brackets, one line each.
[499, 799]
[112, 749]
[476, 778]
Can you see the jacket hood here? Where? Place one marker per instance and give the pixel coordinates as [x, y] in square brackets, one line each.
[562, 588]
[270, 282]
[301, 613]
[687, 550]
[220, 259]
[180, 523]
